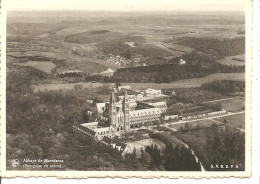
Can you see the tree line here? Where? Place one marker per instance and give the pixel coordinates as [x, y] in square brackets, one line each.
[164, 73]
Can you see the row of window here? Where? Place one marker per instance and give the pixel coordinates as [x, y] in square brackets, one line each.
[145, 113]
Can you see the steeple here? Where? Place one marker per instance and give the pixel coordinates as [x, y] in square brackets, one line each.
[126, 112]
[112, 98]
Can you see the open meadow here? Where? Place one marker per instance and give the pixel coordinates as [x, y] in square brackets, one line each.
[233, 105]
[237, 121]
[189, 83]
[194, 124]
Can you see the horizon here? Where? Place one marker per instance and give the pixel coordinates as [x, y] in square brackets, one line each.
[126, 5]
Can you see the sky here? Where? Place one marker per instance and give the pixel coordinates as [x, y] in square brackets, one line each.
[127, 5]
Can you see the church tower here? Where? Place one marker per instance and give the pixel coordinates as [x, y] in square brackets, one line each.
[113, 111]
[126, 109]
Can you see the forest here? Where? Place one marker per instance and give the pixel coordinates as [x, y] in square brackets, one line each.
[215, 147]
[219, 48]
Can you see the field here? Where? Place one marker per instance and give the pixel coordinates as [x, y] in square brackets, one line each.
[238, 60]
[46, 67]
[237, 121]
[234, 105]
[194, 124]
[189, 83]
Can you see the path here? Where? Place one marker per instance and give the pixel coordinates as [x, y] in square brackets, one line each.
[221, 99]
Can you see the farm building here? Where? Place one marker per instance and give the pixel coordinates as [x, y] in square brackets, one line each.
[108, 73]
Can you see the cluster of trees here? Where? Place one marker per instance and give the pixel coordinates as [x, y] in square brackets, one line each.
[172, 158]
[215, 146]
[180, 159]
[219, 48]
[225, 86]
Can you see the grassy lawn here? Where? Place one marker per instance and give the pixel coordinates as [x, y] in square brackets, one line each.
[234, 120]
[194, 124]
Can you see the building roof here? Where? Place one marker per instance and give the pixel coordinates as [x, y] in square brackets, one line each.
[125, 87]
[101, 129]
[89, 124]
[89, 131]
[158, 103]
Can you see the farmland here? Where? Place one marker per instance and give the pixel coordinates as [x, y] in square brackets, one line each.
[86, 34]
[238, 60]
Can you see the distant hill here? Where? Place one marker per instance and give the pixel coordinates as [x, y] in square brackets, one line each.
[93, 36]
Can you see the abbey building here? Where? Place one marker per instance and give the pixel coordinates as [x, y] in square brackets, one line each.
[126, 110]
